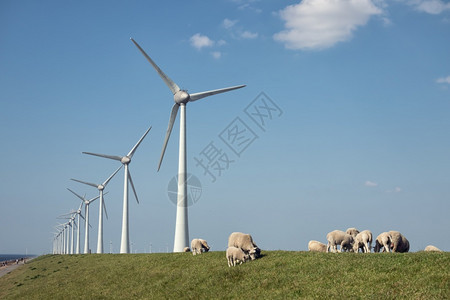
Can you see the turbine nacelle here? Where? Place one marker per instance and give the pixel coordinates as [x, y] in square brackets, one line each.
[100, 187]
[181, 97]
[125, 160]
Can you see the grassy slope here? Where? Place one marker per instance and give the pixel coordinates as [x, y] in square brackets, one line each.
[278, 274]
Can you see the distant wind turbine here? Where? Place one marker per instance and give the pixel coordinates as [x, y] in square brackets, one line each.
[181, 98]
[86, 213]
[102, 207]
[125, 160]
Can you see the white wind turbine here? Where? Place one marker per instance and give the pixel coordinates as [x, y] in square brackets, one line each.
[86, 213]
[102, 207]
[181, 98]
[72, 224]
[125, 160]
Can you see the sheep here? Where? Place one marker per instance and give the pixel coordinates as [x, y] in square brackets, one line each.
[245, 242]
[352, 231]
[363, 241]
[399, 242]
[198, 246]
[236, 255]
[384, 240]
[315, 246]
[186, 249]
[432, 248]
[338, 237]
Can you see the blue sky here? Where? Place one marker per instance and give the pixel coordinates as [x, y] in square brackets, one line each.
[358, 136]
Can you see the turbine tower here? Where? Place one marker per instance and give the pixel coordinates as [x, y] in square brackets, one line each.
[102, 207]
[125, 160]
[181, 98]
[86, 213]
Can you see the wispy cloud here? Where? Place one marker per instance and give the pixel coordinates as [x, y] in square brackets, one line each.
[216, 54]
[443, 80]
[227, 23]
[200, 41]
[395, 190]
[237, 32]
[320, 24]
[249, 35]
[370, 183]
[433, 7]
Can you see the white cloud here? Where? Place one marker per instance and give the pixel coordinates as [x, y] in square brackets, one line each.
[395, 190]
[320, 24]
[370, 183]
[443, 80]
[434, 7]
[249, 35]
[227, 23]
[216, 54]
[199, 41]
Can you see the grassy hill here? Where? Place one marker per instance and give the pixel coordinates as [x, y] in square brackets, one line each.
[278, 274]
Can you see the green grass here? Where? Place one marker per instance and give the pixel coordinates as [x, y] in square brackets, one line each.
[277, 275]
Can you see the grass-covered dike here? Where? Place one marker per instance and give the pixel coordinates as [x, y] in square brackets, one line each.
[277, 275]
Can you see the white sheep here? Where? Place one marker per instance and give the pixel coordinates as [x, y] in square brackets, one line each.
[399, 242]
[198, 246]
[384, 240]
[363, 241]
[245, 242]
[186, 249]
[432, 248]
[236, 255]
[338, 237]
[315, 246]
[352, 231]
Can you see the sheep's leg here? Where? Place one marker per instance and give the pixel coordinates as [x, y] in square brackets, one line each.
[229, 262]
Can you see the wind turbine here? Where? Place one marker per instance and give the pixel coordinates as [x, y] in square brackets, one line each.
[78, 212]
[102, 207]
[125, 160]
[86, 213]
[181, 98]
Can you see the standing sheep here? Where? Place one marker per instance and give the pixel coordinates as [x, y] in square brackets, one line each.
[399, 242]
[245, 242]
[363, 241]
[384, 240]
[338, 237]
[236, 255]
[352, 231]
[198, 246]
[315, 246]
[432, 248]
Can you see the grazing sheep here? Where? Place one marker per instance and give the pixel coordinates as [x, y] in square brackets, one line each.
[236, 255]
[315, 246]
[186, 249]
[338, 237]
[399, 242]
[198, 246]
[384, 240]
[363, 241]
[432, 248]
[245, 242]
[352, 231]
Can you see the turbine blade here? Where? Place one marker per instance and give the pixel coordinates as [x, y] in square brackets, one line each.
[198, 96]
[132, 186]
[131, 153]
[82, 199]
[173, 116]
[172, 85]
[115, 157]
[81, 205]
[104, 207]
[82, 217]
[84, 182]
[110, 177]
[70, 213]
[95, 198]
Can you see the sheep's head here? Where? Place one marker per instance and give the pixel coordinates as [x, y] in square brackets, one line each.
[254, 253]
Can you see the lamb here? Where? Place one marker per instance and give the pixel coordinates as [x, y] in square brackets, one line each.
[338, 237]
[236, 255]
[245, 242]
[363, 241]
[315, 246]
[352, 231]
[399, 242]
[198, 246]
[384, 240]
[432, 248]
[186, 249]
